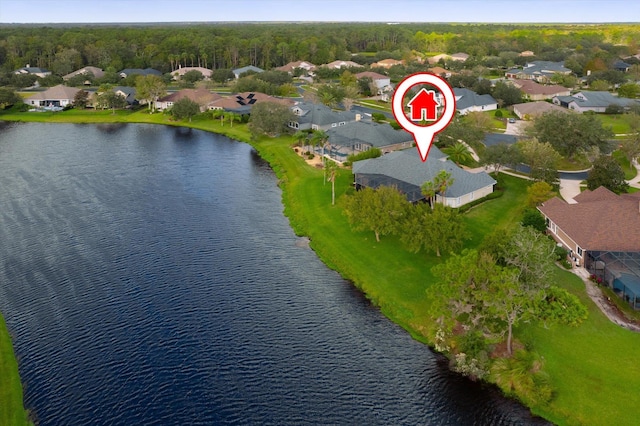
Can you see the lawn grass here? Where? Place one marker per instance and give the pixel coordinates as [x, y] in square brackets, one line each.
[579, 162]
[629, 171]
[617, 122]
[593, 368]
[12, 411]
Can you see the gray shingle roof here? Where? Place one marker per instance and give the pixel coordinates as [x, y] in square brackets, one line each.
[596, 99]
[406, 166]
[321, 115]
[466, 98]
[541, 68]
[374, 134]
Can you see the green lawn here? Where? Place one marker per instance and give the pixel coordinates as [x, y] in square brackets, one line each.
[11, 407]
[629, 171]
[593, 368]
[617, 122]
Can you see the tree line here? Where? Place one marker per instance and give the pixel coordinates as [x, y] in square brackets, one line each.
[63, 49]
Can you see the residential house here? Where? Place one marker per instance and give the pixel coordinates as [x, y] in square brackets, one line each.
[596, 101]
[540, 71]
[181, 71]
[241, 103]
[386, 63]
[57, 96]
[337, 65]
[602, 233]
[239, 71]
[137, 71]
[458, 57]
[202, 97]
[38, 72]
[406, 171]
[382, 82]
[309, 116]
[539, 92]
[526, 53]
[89, 70]
[440, 72]
[291, 66]
[621, 65]
[128, 93]
[468, 101]
[530, 110]
[361, 136]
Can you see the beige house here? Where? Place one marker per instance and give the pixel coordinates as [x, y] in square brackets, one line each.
[200, 96]
[538, 92]
[181, 71]
[386, 63]
[530, 110]
[56, 96]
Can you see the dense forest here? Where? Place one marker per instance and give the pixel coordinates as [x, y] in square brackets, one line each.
[63, 49]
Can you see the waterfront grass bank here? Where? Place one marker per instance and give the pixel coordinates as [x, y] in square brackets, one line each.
[593, 368]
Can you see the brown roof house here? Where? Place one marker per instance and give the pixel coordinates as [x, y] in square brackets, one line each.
[530, 110]
[303, 65]
[200, 96]
[181, 71]
[539, 92]
[602, 233]
[386, 63]
[95, 71]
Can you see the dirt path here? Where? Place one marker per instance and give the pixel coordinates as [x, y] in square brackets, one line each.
[608, 308]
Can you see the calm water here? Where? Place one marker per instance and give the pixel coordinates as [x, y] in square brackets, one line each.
[149, 277]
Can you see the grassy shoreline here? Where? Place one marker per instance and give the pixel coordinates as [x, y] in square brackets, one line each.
[593, 368]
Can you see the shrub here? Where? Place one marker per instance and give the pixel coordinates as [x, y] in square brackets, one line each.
[378, 117]
[372, 153]
[498, 113]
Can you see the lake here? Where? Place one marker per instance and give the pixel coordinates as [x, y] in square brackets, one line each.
[149, 277]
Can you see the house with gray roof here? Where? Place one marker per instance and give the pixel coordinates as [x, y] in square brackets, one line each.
[361, 136]
[309, 116]
[468, 101]
[38, 72]
[406, 171]
[596, 101]
[239, 71]
[540, 71]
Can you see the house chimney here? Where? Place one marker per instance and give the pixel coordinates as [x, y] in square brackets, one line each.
[28, 66]
[358, 117]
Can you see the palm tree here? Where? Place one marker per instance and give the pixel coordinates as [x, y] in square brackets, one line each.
[234, 117]
[459, 153]
[300, 137]
[442, 181]
[332, 168]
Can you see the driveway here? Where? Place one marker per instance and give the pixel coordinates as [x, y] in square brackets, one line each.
[516, 128]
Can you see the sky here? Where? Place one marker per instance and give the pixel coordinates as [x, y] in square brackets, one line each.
[507, 11]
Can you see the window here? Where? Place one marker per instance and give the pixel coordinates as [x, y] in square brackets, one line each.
[579, 250]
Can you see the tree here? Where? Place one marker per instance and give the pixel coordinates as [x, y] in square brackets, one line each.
[232, 116]
[81, 99]
[599, 85]
[541, 158]
[629, 90]
[107, 98]
[150, 88]
[538, 192]
[222, 75]
[607, 172]
[500, 155]
[460, 130]
[185, 108]
[439, 229]
[570, 134]
[458, 153]
[269, 118]
[630, 148]
[438, 185]
[534, 219]
[331, 172]
[506, 94]
[480, 120]
[8, 98]
[192, 76]
[378, 210]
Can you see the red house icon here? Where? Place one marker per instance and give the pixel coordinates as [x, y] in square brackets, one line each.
[424, 106]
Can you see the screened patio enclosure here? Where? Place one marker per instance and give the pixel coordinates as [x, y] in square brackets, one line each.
[620, 271]
[412, 192]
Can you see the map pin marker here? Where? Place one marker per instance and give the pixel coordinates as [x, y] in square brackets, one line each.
[424, 107]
